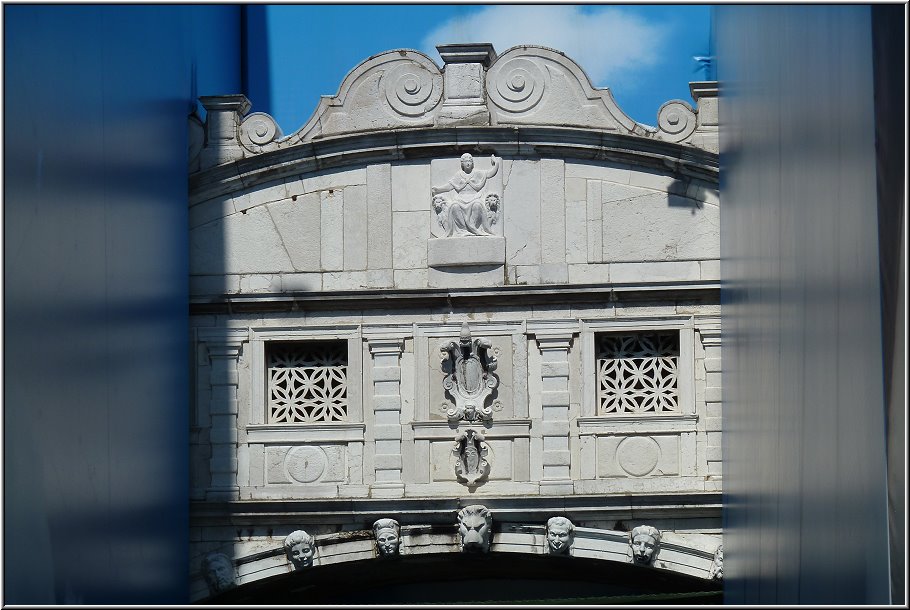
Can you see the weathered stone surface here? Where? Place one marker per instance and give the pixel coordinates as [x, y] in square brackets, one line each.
[379, 217]
[460, 251]
[521, 212]
[641, 225]
[552, 212]
[241, 243]
[299, 226]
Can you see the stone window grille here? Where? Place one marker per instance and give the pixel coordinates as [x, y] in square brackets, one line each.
[637, 372]
[307, 381]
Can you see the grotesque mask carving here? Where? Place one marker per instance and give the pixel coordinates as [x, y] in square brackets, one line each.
[472, 379]
[717, 566]
[219, 572]
[560, 533]
[475, 523]
[300, 549]
[645, 541]
[388, 537]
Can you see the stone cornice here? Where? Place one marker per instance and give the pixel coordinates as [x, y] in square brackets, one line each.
[427, 143]
[443, 510]
[704, 291]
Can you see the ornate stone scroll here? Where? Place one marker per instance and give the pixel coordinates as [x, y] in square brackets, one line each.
[388, 537]
[300, 549]
[560, 535]
[645, 543]
[471, 380]
[219, 572]
[470, 453]
[475, 525]
[717, 565]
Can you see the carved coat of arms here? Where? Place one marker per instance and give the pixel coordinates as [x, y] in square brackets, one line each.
[471, 380]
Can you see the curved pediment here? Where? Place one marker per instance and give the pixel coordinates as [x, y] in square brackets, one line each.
[401, 89]
[395, 89]
[535, 85]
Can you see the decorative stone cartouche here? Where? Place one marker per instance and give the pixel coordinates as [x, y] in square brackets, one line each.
[472, 379]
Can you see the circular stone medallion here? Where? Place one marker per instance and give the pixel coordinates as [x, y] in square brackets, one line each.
[638, 455]
[306, 464]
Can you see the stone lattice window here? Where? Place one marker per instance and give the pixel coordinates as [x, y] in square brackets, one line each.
[307, 381]
[637, 372]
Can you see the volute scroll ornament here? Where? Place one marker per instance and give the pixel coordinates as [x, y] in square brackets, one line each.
[471, 380]
[258, 131]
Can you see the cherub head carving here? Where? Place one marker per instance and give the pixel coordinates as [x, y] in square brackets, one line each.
[439, 202]
[560, 532]
[645, 541]
[388, 537]
[475, 523]
[218, 571]
[300, 549]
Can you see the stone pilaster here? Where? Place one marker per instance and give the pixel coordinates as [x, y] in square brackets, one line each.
[386, 355]
[464, 101]
[554, 425]
[222, 123]
[224, 349]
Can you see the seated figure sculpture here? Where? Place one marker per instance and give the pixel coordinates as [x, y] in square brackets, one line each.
[469, 212]
[645, 541]
[300, 549]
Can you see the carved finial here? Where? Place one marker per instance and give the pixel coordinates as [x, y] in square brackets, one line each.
[465, 337]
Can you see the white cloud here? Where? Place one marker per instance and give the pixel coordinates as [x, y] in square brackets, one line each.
[611, 44]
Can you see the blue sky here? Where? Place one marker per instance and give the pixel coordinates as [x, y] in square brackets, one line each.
[643, 53]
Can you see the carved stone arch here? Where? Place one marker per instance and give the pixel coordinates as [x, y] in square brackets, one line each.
[473, 578]
[538, 85]
[394, 89]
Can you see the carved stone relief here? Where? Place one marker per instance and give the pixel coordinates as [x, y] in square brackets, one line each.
[219, 572]
[304, 464]
[388, 537]
[468, 203]
[560, 535]
[645, 543]
[300, 549]
[471, 379]
[470, 455]
[475, 525]
[717, 565]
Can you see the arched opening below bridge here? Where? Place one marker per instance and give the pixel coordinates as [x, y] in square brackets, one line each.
[454, 578]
